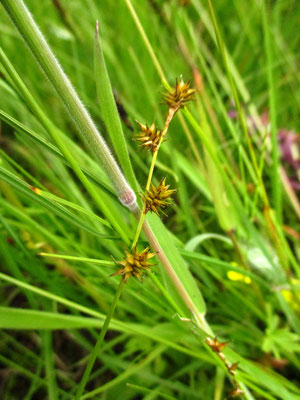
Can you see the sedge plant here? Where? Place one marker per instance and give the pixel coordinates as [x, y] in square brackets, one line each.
[97, 238]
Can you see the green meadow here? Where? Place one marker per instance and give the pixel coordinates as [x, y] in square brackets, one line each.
[149, 199]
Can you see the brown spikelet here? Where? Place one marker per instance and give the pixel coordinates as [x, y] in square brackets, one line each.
[158, 198]
[236, 392]
[232, 368]
[135, 264]
[180, 95]
[215, 345]
[148, 137]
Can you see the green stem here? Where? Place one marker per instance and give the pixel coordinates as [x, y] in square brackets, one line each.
[170, 116]
[142, 215]
[138, 230]
[146, 41]
[276, 185]
[99, 343]
[79, 259]
[49, 366]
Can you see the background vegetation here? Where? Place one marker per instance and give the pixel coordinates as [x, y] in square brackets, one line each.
[233, 157]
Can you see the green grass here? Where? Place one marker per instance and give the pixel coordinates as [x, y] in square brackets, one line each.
[62, 225]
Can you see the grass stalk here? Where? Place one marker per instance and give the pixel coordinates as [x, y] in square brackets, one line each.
[99, 343]
[49, 366]
[237, 102]
[79, 259]
[276, 184]
[147, 42]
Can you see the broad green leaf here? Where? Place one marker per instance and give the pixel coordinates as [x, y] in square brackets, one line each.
[180, 267]
[110, 113]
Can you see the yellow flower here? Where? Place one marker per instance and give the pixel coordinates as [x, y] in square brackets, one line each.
[135, 264]
[148, 137]
[180, 95]
[237, 276]
[156, 199]
[290, 297]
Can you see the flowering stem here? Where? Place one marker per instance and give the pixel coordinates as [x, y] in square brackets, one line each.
[142, 215]
[138, 229]
[164, 132]
[99, 342]
[142, 224]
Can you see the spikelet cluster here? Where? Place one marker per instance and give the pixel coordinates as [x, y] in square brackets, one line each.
[148, 137]
[158, 198]
[180, 95]
[135, 264]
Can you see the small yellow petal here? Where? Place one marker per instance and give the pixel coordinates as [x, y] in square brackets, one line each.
[288, 296]
[237, 276]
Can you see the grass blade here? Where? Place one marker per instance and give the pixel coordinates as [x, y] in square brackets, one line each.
[276, 184]
[109, 111]
[16, 318]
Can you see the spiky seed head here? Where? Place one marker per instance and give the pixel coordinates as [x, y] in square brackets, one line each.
[148, 137]
[158, 198]
[180, 95]
[135, 264]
